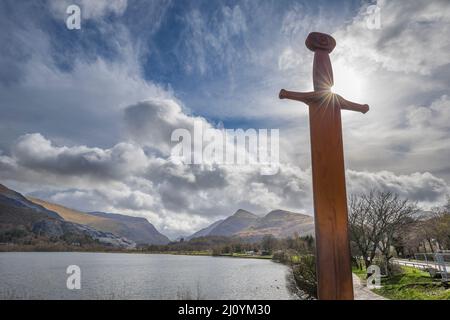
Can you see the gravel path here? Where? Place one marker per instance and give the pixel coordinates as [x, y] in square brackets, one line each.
[361, 292]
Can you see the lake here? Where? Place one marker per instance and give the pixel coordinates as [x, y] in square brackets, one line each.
[42, 275]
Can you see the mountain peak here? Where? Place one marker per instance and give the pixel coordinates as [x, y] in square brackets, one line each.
[283, 214]
[6, 191]
[241, 213]
[278, 213]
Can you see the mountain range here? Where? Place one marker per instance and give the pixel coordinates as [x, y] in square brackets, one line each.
[247, 225]
[28, 218]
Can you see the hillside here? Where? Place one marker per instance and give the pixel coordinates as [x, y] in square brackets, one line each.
[136, 229]
[239, 221]
[12, 198]
[25, 222]
[280, 224]
[80, 217]
[204, 232]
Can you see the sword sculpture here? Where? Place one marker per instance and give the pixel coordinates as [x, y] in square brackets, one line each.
[334, 273]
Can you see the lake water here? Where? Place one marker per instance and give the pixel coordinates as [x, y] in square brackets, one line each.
[36, 275]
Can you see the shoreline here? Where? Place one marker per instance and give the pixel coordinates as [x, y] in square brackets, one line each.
[181, 253]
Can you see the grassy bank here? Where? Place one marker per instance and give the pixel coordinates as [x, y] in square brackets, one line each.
[210, 253]
[410, 284]
[243, 255]
[59, 248]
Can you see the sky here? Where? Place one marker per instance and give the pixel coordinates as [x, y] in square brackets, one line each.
[87, 115]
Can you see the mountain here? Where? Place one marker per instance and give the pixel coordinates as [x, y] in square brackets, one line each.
[25, 222]
[280, 224]
[204, 232]
[136, 229]
[244, 224]
[12, 198]
[19, 214]
[239, 221]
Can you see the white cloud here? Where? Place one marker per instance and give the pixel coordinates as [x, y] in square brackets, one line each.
[35, 152]
[424, 188]
[84, 155]
[178, 199]
[90, 9]
[213, 40]
[152, 122]
[411, 39]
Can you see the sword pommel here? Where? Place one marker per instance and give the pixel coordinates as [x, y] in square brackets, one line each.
[320, 41]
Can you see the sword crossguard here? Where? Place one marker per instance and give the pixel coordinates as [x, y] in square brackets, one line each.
[324, 95]
[348, 105]
[305, 97]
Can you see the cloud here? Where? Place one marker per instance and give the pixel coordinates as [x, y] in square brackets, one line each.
[87, 117]
[213, 40]
[152, 122]
[402, 72]
[424, 188]
[35, 152]
[433, 117]
[89, 9]
[178, 199]
[410, 39]
[72, 106]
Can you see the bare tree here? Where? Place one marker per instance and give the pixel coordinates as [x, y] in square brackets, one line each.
[375, 221]
[364, 227]
[395, 215]
[433, 231]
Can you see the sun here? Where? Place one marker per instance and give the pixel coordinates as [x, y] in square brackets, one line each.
[347, 82]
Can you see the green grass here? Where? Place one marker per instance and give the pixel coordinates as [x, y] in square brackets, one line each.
[209, 253]
[411, 284]
[190, 253]
[361, 273]
[294, 258]
[243, 255]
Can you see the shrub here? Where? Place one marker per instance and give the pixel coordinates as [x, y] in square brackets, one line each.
[304, 273]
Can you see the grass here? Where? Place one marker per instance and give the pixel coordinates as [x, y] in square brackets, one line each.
[209, 253]
[361, 273]
[411, 284]
[244, 255]
[188, 253]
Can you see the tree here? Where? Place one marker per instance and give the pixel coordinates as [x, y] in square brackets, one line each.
[395, 215]
[268, 243]
[376, 220]
[430, 233]
[442, 226]
[364, 227]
